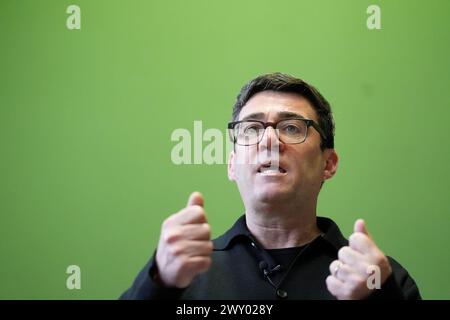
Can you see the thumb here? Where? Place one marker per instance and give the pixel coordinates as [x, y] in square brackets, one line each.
[360, 226]
[195, 199]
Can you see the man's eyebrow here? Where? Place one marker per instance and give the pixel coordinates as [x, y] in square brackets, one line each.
[289, 115]
[254, 116]
[281, 115]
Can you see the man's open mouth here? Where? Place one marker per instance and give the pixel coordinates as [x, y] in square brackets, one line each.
[270, 169]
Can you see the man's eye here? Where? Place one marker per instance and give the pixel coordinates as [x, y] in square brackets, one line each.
[251, 129]
[291, 129]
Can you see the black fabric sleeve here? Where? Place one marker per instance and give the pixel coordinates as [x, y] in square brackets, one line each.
[146, 287]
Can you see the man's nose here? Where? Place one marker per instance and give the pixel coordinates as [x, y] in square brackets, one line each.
[269, 139]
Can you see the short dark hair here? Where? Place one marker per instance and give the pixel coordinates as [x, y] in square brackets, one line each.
[281, 82]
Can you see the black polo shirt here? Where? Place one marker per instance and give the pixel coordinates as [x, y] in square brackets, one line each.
[242, 269]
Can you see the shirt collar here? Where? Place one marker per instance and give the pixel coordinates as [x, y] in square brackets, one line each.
[331, 234]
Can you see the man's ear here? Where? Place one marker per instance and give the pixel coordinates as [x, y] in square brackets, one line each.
[231, 175]
[331, 163]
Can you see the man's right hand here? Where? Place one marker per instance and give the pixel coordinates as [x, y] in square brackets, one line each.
[185, 245]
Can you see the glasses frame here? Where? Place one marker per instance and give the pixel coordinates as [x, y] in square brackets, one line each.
[308, 122]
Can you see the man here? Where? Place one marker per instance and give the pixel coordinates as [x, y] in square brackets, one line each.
[283, 135]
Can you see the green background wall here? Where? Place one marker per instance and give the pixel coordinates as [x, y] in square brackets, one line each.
[86, 117]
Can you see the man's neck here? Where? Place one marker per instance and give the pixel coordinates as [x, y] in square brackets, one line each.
[283, 229]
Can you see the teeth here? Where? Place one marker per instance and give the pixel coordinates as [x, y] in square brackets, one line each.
[269, 170]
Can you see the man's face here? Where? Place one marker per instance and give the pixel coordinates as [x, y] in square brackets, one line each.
[303, 166]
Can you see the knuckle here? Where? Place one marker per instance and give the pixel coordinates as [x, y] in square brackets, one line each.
[328, 281]
[207, 228]
[333, 265]
[176, 250]
[165, 237]
[356, 281]
[183, 264]
[208, 262]
[167, 222]
[342, 252]
[210, 246]
[172, 236]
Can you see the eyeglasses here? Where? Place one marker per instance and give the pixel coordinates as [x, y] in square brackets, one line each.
[288, 131]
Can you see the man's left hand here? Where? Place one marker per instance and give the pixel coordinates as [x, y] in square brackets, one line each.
[349, 274]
